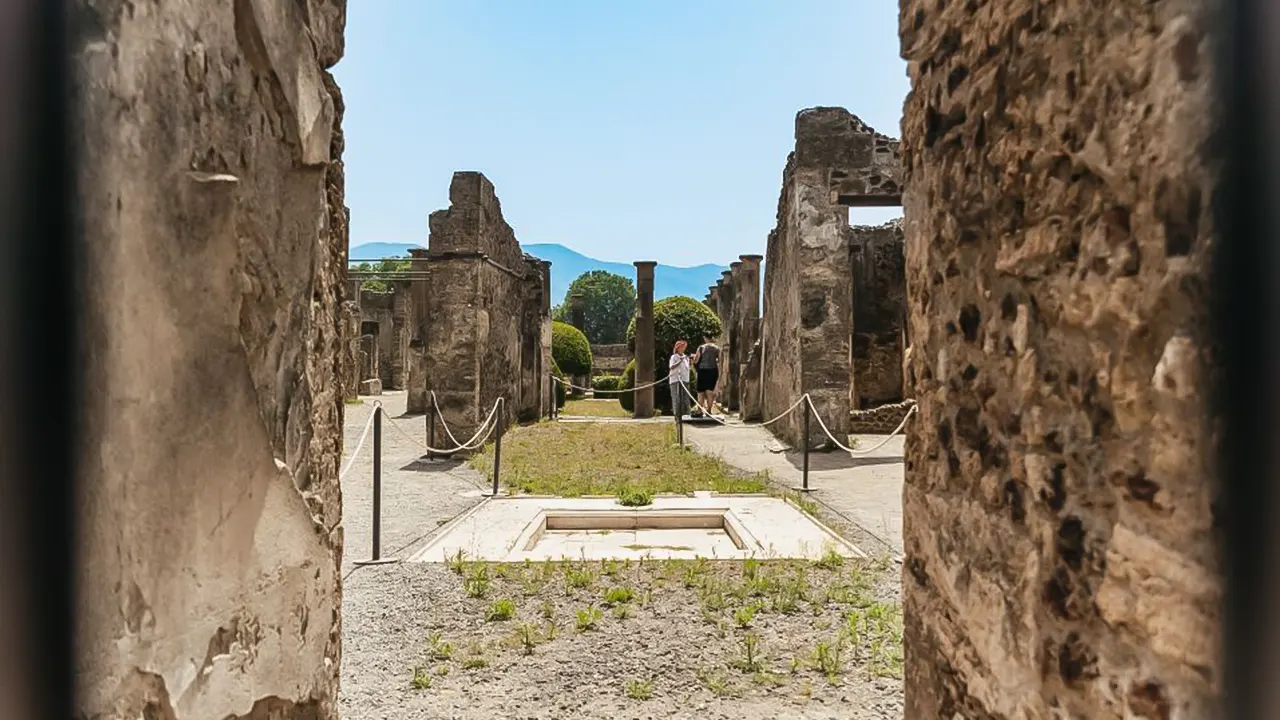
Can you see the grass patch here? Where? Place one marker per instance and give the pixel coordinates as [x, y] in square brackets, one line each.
[570, 460]
[588, 407]
[635, 497]
[503, 609]
[639, 689]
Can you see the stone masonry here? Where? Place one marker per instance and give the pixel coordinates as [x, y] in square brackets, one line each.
[610, 359]
[488, 309]
[1062, 548]
[747, 299]
[807, 329]
[879, 314]
[209, 140]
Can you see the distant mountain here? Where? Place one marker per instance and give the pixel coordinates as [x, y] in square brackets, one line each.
[568, 264]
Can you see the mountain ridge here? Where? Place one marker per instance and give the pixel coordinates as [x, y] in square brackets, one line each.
[567, 264]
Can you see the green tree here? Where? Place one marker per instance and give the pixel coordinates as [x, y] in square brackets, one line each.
[570, 349]
[386, 265]
[608, 302]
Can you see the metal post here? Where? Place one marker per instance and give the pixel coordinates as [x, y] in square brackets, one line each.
[431, 430]
[497, 448]
[376, 558]
[677, 400]
[377, 482]
[804, 478]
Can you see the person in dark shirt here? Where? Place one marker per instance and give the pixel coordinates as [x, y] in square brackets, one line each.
[707, 360]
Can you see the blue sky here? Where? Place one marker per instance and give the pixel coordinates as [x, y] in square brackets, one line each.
[624, 129]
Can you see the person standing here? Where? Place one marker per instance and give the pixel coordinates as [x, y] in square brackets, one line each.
[678, 378]
[707, 360]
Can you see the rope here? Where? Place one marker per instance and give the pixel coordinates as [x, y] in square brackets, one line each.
[360, 444]
[593, 390]
[486, 428]
[695, 402]
[840, 445]
[786, 412]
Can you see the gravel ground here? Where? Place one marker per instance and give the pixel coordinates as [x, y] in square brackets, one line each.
[391, 612]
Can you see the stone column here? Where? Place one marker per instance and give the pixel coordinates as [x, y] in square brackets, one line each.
[711, 300]
[416, 401]
[577, 311]
[737, 350]
[725, 293]
[349, 350]
[400, 321]
[544, 368]
[644, 337]
[420, 291]
[353, 291]
[748, 299]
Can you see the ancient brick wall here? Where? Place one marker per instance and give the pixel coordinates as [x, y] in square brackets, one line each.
[609, 359]
[879, 313]
[1060, 537]
[807, 330]
[485, 299]
[212, 212]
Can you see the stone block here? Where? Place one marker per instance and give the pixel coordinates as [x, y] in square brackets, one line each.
[371, 386]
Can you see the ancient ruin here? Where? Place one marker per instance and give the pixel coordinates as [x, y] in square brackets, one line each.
[834, 296]
[644, 340]
[609, 359]
[1060, 529]
[488, 320]
[216, 235]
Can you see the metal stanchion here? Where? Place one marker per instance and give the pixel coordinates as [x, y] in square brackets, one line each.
[497, 448]
[804, 471]
[376, 557]
[431, 430]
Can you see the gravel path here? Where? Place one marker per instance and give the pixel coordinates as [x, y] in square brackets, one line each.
[390, 613]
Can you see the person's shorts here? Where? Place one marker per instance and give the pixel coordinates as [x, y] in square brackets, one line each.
[707, 379]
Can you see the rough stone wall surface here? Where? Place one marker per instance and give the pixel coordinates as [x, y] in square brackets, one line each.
[376, 307]
[349, 348]
[737, 344]
[481, 284]
[210, 512]
[879, 313]
[1060, 536]
[880, 420]
[807, 331]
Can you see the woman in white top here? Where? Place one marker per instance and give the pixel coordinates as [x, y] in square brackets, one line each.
[678, 378]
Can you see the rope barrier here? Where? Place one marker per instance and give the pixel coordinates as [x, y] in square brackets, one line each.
[486, 428]
[688, 392]
[842, 446]
[360, 444]
[786, 412]
[593, 390]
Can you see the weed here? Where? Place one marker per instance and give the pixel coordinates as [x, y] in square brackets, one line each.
[639, 689]
[764, 677]
[618, 596]
[786, 601]
[717, 683]
[635, 497]
[457, 562]
[476, 581]
[610, 568]
[442, 670]
[528, 637]
[475, 662]
[440, 649]
[750, 568]
[622, 612]
[552, 631]
[501, 570]
[576, 577]
[588, 617]
[750, 646]
[830, 560]
[827, 658]
[745, 614]
[807, 506]
[548, 610]
[421, 680]
[504, 609]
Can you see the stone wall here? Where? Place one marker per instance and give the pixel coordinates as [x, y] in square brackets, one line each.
[486, 300]
[808, 323]
[1060, 535]
[609, 359]
[879, 313]
[212, 412]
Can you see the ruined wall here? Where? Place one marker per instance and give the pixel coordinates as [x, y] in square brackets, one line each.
[376, 307]
[1060, 538]
[483, 291]
[879, 313]
[210, 501]
[609, 359]
[838, 161]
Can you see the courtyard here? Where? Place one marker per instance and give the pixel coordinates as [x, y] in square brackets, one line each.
[451, 633]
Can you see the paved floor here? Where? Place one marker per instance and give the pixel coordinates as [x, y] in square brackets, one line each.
[865, 489]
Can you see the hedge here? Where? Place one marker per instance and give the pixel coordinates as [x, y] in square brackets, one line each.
[606, 383]
[570, 349]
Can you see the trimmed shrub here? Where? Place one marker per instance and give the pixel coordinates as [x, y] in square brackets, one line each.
[570, 349]
[674, 318]
[627, 381]
[606, 383]
[560, 388]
